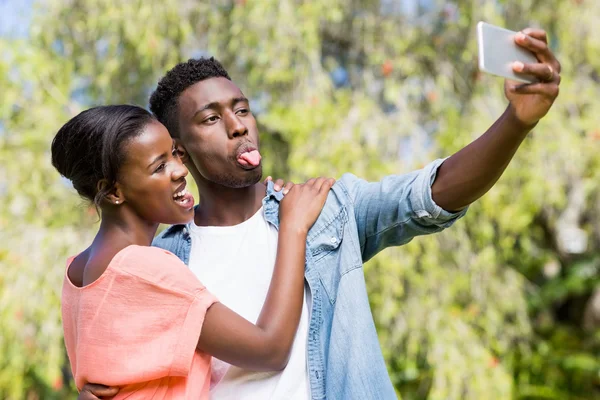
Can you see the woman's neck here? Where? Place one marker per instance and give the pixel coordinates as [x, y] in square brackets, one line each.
[123, 228]
[118, 229]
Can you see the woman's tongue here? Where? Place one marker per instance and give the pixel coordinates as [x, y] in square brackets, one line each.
[249, 158]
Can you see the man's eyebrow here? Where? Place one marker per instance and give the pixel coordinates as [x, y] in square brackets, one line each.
[215, 104]
[240, 99]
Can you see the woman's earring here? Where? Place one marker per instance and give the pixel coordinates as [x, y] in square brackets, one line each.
[117, 202]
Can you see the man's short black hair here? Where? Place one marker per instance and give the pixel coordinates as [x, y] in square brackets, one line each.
[163, 101]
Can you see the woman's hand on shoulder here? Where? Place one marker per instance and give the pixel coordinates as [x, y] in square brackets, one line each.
[303, 204]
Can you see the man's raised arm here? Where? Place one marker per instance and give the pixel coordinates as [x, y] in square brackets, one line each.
[471, 172]
[393, 211]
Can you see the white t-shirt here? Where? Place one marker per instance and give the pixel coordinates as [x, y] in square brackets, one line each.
[236, 264]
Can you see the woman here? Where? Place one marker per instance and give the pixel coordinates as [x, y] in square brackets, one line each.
[134, 316]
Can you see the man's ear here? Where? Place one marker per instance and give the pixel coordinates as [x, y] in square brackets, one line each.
[114, 196]
[183, 154]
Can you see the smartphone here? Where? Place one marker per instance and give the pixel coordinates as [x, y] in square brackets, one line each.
[498, 50]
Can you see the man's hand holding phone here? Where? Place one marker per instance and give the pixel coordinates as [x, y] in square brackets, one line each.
[524, 59]
[532, 101]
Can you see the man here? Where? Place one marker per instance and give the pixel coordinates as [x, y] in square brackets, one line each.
[231, 243]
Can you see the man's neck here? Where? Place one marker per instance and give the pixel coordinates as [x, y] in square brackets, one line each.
[223, 206]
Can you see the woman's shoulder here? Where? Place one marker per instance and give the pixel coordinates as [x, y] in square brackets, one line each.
[155, 265]
[148, 253]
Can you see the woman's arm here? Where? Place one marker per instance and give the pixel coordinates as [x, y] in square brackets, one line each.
[266, 345]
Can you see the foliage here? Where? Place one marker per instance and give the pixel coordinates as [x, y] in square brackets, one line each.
[499, 306]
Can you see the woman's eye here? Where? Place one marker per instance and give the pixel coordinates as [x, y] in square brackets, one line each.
[160, 167]
[243, 111]
[214, 118]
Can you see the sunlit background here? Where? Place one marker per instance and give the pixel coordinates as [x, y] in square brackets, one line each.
[505, 305]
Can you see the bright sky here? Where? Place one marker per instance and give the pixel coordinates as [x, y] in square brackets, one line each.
[14, 17]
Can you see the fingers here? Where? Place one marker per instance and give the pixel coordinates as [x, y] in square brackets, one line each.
[544, 72]
[536, 46]
[327, 185]
[288, 186]
[310, 182]
[85, 396]
[547, 71]
[548, 90]
[278, 185]
[93, 391]
[536, 41]
[539, 34]
[322, 185]
[318, 183]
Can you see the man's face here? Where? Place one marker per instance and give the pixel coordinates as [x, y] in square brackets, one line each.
[219, 133]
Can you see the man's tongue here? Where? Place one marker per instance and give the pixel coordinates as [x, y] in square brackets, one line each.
[249, 158]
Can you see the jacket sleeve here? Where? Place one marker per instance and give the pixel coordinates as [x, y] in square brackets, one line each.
[393, 211]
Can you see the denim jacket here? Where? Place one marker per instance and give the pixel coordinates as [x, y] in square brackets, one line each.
[359, 219]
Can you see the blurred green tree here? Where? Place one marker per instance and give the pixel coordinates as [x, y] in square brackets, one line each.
[503, 305]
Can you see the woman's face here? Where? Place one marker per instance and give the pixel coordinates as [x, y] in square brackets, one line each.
[151, 180]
